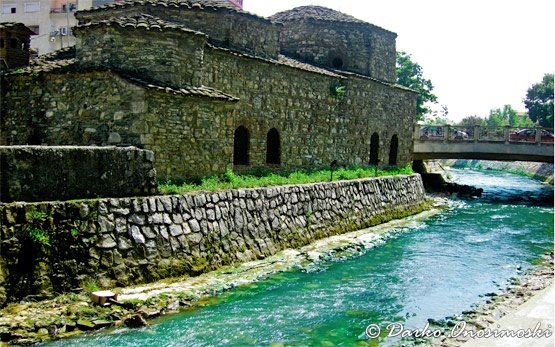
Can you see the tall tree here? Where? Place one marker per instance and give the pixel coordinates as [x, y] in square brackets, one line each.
[471, 121]
[409, 74]
[499, 117]
[539, 101]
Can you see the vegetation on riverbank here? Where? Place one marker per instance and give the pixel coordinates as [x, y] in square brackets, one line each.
[266, 178]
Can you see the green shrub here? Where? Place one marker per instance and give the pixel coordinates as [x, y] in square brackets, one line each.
[40, 237]
[35, 216]
[261, 177]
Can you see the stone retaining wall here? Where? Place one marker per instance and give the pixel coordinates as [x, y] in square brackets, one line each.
[40, 173]
[54, 247]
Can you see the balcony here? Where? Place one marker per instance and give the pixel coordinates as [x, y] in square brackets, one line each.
[64, 9]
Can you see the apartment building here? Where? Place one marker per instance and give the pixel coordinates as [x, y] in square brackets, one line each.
[50, 20]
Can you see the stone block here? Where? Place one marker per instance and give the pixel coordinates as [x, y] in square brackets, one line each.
[136, 235]
[175, 230]
[195, 227]
[107, 242]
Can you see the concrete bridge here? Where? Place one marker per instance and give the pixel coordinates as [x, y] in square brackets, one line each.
[488, 143]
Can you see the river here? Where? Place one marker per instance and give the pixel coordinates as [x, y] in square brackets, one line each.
[437, 269]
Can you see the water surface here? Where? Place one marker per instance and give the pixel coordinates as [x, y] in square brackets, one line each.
[436, 269]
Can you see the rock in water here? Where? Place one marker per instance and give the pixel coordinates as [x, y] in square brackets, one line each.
[135, 321]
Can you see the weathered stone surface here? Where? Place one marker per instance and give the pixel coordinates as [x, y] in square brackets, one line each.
[72, 172]
[195, 227]
[175, 230]
[321, 115]
[107, 242]
[150, 234]
[136, 235]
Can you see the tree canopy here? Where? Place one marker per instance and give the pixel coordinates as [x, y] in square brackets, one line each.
[498, 117]
[409, 74]
[471, 121]
[539, 101]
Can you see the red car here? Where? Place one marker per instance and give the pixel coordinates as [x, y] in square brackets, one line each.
[529, 135]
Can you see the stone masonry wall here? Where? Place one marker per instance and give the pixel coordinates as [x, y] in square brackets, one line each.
[194, 136]
[53, 247]
[42, 173]
[174, 58]
[316, 126]
[238, 31]
[191, 137]
[71, 109]
[361, 48]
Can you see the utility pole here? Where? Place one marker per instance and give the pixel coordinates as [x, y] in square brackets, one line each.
[67, 18]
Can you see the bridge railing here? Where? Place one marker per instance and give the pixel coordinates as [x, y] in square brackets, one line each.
[531, 135]
[506, 134]
[461, 133]
[492, 134]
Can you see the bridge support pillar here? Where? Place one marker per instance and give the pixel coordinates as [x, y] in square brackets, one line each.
[506, 133]
[538, 139]
[446, 133]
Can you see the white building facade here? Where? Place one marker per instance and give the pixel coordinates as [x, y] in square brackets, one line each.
[50, 20]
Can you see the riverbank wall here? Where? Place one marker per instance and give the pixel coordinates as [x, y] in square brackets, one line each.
[56, 247]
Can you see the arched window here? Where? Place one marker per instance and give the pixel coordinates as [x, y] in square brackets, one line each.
[393, 148]
[374, 149]
[337, 63]
[241, 146]
[273, 147]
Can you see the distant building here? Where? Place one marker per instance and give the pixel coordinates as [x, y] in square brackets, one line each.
[238, 3]
[49, 20]
[97, 3]
[14, 45]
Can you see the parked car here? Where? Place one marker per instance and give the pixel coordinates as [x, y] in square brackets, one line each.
[459, 135]
[529, 135]
[431, 133]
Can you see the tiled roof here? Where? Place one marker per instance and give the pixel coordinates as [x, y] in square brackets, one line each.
[39, 65]
[303, 66]
[318, 13]
[63, 59]
[64, 53]
[143, 21]
[190, 4]
[282, 60]
[314, 12]
[393, 85]
[67, 64]
[6, 25]
[201, 91]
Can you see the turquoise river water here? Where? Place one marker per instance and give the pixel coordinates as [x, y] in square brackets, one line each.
[437, 269]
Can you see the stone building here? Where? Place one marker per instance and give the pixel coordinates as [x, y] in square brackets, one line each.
[209, 87]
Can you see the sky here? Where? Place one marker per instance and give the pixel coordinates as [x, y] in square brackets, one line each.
[479, 54]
